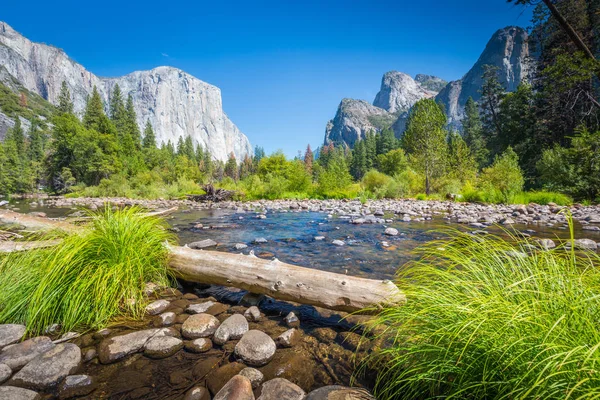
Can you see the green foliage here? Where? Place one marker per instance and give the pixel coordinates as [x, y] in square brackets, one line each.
[393, 162]
[574, 170]
[473, 133]
[504, 176]
[382, 122]
[485, 320]
[90, 278]
[425, 140]
[542, 197]
[65, 103]
[380, 185]
[335, 177]
[461, 165]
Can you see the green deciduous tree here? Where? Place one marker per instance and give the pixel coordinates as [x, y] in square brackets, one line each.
[425, 140]
[504, 175]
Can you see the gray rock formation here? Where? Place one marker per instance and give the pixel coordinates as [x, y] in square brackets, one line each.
[508, 49]
[176, 103]
[430, 82]
[398, 93]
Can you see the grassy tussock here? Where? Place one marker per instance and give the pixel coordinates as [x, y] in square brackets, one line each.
[90, 278]
[483, 322]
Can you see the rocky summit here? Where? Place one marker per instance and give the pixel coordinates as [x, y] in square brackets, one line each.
[176, 103]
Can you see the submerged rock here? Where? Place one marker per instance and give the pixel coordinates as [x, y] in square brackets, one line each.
[76, 386]
[292, 320]
[201, 345]
[238, 388]
[279, 388]
[339, 393]
[11, 333]
[391, 232]
[202, 244]
[256, 377]
[156, 307]
[5, 373]
[48, 369]
[17, 355]
[197, 393]
[117, 347]
[221, 376]
[17, 393]
[162, 347]
[199, 326]
[255, 348]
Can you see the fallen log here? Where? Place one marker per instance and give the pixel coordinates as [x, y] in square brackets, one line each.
[281, 280]
[271, 277]
[8, 217]
[11, 247]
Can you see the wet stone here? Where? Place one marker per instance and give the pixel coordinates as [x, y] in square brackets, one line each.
[75, 386]
[252, 314]
[5, 373]
[156, 307]
[221, 376]
[162, 347]
[165, 319]
[202, 244]
[199, 308]
[338, 242]
[11, 333]
[391, 232]
[350, 340]
[232, 328]
[197, 393]
[292, 320]
[338, 393]
[17, 355]
[238, 388]
[190, 296]
[279, 388]
[117, 347]
[201, 345]
[288, 338]
[48, 369]
[89, 354]
[17, 393]
[240, 246]
[255, 348]
[199, 326]
[325, 335]
[255, 376]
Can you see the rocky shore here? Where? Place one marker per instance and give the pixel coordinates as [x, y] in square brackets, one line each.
[190, 347]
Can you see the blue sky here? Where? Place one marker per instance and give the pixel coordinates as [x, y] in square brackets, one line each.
[282, 66]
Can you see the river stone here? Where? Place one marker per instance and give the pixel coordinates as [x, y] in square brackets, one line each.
[221, 376]
[238, 388]
[17, 355]
[585, 244]
[166, 319]
[5, 373]
[339, 393]
[199, 308]
[292, 320]
[48, 369]
[338, 242]
[232, 328]
[240, 246]
[156, 307]
[117, 347]
[319, 238]
[255, 348]
[197, 393]
[252, 314]
[288, 338]
[11, 333]
[546, 244]
[279, 388]
[17, 393]
[202, 244]
[75, 386]
[260, 240]
[256, 377]
[201, 345]
[162, 347]
[199, 326]
[391, 232]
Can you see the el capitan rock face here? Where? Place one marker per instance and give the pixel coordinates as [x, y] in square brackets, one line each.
[176, 103]
[508, 49]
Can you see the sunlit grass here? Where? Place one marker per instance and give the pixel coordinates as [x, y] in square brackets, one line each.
[488, 318]
[90, 278]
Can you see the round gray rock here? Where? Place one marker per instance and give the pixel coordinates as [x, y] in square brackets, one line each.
[48, 369]
[5, 373]
[232, 328]
[11, 333]
[279, 388]
[17, 393]
[162, 347]
[199, 326]
[255, 348]
[391, 232]
[167, 318]
[256, 377]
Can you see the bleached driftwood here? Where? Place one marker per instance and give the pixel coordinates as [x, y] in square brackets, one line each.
[281, 280]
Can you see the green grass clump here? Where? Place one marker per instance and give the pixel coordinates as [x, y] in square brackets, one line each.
[89, 279]
[487, 318]
[543, 197]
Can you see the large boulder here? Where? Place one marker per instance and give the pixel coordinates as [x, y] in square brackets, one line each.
[48, 369]
[17, 355]
[255, 348]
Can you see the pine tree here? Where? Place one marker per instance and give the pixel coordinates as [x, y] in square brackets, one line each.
[65, 104]
[149, 136]
[385, 141]
[18, 136]
[425, 139]
[492, 93]
[358, 166]
[116, 108]
[473, 133]
[180, 147]
[94, 116]
[231, 169]
[461, 163]
[131, 123]
[188, 148]
[370, 150]
[308, 160]
[246, 168]
[36, 143]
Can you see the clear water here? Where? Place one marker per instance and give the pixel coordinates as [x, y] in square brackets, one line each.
[291, 237]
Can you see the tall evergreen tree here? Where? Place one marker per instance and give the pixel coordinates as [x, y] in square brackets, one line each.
[94, 116]
[461, 163]
[370, 150]
[231, 168]
[425, 139]
[116, 108]
[131, 123]
[149, 136]
[188, 148]
[65, 103]
[492, 93]
[473, 133]
[386, 141]
[308, 160]
[358, 166]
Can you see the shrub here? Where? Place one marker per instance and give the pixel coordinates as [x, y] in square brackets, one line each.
[503, 176]
[89, 279]
[543, 197]
[485, 320]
